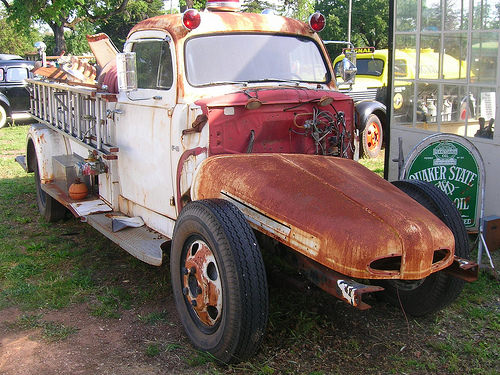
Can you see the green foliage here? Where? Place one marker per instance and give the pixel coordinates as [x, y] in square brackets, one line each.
[256, 6]
[16, 41]
[118, 25]
[300, 9]
[196, 4]
[370, 21]
[60, 14]
[76, 42]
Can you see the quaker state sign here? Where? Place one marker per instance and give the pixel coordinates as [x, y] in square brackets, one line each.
[454, 165]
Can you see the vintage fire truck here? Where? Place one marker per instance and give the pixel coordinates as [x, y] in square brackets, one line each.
[217, 134]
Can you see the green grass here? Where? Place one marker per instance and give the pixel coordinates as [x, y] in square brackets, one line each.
[54, 265]
[376, 165]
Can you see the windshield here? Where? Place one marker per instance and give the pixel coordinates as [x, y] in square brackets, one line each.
[228, 58]
[366, 67]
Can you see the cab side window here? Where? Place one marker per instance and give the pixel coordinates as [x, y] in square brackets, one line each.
[154, 65]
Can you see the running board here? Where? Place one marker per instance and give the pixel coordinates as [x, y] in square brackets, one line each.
[143, 242]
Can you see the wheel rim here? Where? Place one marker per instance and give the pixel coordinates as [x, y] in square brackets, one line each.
[201, 284]
[373, 136]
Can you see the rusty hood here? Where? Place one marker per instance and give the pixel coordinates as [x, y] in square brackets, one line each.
[333, 210]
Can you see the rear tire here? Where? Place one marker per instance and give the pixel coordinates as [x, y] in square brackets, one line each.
[438, 290]
[218, 280]
[3, 116]
[49, 208]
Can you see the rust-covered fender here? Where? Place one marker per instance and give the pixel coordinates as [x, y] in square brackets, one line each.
[333, 210]
[44, 143]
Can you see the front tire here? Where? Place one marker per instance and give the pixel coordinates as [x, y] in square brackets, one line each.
[372, 137]
[438, 290]
[218, 280]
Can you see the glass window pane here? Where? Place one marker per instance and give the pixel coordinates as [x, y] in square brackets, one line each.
[165, 74]
[482, 112]
[484, 57]
[16, 74]
[154, 65]
[402, 102]
[486, 15]
[456, 15]
[405, 41]
[455, 57]
[227, 58]
[429, 57]
[431, 15]
[406, 15]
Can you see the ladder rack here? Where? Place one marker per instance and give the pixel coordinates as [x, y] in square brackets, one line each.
[79, 111]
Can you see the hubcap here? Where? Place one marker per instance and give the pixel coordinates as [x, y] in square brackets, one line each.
[373, 136]
[201, 283]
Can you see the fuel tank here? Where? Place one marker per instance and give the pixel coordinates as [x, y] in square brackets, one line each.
[333, 210]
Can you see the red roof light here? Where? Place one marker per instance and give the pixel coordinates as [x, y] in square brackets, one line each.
[191, 19]
[317, 22]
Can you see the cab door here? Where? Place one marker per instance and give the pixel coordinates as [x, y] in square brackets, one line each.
[143, 121]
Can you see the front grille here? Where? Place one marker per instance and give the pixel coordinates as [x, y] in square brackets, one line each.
[369, 94]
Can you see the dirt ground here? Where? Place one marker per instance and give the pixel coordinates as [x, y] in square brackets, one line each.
[100, 346]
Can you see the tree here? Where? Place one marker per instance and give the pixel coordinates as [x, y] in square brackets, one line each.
[61, 14]
[15, 42]
[256, 6]
[192, 4]
[118, 25]
[298, 9]
[370, 21]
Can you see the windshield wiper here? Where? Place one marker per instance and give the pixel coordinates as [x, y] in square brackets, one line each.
[291, 81]
[224, 83]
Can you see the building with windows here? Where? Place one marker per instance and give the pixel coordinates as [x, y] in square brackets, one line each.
[451, 48]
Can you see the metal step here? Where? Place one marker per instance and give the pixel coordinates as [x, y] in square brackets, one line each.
[143, 242]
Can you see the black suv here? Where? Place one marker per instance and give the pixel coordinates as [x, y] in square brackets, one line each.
[14, 96]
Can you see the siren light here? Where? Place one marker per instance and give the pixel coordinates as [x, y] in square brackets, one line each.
[317, 22]
[191, 19]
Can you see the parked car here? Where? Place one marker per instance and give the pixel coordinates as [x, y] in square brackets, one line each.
[8, 56]
[14, 96]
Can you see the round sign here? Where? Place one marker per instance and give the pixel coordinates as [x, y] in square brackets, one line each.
[398, 100]
[454, 165]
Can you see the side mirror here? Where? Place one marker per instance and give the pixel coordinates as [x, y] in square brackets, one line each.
[126, 69]
[348, 71]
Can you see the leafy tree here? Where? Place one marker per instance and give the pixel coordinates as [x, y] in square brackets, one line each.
[256, 6]
[76, 42]
[61, 14]
[192, 4]
[298, 9]
[118, 25]
[15, 42]
[369, 22]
